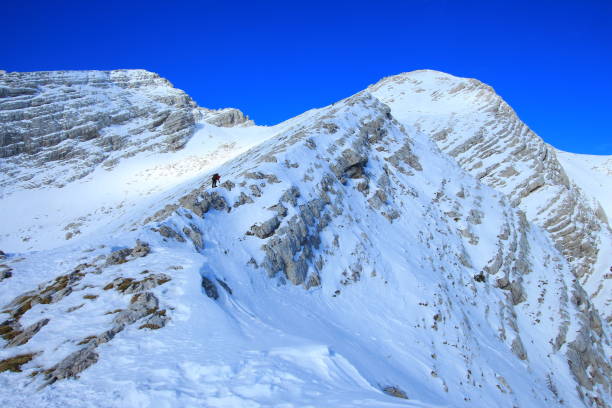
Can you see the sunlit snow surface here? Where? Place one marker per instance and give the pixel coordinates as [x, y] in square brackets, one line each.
[37, 219]
[593, 175]
[415, 318]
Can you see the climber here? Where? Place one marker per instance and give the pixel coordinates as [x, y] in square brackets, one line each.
[216, 177]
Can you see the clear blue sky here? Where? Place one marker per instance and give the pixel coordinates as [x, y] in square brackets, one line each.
[551, 60]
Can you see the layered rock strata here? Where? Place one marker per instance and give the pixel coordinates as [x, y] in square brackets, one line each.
[82, 119]
[475, 126]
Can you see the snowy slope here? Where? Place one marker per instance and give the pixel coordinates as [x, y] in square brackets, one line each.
[344, 261]
[593, 174]
[475, 126]
[79, 208]
[59, 126]
[91, 144]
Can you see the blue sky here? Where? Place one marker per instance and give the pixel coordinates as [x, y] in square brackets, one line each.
[551, 60]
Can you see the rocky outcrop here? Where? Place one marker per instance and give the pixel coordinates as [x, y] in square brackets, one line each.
[82, 119]
[228, 117]
[195, 235]
[5, 271]
[124, 255]
[52, 292]
[141, 305]
[265, 229]
[42, 109]
[85, 118]
[395, 392]
[130, 285]
[16, 335]
[210, 288]
[73, 365]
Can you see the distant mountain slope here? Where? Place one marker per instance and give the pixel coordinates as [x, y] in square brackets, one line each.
[474, 125]
[58, 126]
[344, 261]
[63, 133]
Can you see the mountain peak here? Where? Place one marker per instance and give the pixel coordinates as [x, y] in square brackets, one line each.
[475, 126]
[366, 254]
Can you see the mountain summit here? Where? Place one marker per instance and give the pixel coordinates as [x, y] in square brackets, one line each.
[369, 253]
[475, 126]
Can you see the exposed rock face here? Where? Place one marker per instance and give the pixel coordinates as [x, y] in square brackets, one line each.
[129, 285]
[5, 272]
[395, 392]
[475, 126]
[265, 229]
[210, 288]
[72, 365]
[200, 202]
[124, 255]
[22, 336]
[141, 249]
[141, 305]
[228, 117]
[118, 257]
[195, 235]
[87, 118]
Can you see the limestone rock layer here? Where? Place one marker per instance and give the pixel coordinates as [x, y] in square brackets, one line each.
[343, 260]
[81, 119]
[474, 125]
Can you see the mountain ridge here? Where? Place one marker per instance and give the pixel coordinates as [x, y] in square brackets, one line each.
[344, 260]
[473, 124]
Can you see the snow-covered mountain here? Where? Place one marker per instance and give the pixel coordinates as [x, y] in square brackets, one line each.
[57, 128]
[476, 127]
[84, 119]
[344, 261]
